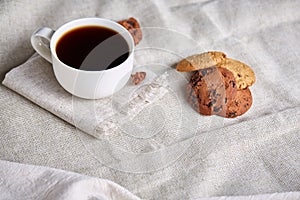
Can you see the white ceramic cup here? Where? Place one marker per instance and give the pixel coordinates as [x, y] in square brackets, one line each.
[85, 84]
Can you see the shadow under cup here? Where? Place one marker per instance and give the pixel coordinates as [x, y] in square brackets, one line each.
[92, 57]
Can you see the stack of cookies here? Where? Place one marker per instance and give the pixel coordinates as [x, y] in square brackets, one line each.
[218, 85]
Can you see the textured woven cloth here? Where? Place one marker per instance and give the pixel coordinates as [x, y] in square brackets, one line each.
[20, 181]
[189, 156]
[36, 81]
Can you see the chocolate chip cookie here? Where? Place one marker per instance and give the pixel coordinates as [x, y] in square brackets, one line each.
[211, 89]
[243, 74]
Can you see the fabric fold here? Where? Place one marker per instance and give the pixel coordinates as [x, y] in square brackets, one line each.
[21, 181]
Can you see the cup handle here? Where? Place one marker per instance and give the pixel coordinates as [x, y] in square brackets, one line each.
[38, 39]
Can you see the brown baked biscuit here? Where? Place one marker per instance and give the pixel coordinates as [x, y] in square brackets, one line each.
[243, 74]
[239, 105]
[133, 26]
[200, 61]
[211, 89]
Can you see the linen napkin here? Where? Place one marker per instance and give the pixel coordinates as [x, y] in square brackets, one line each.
[35, 80]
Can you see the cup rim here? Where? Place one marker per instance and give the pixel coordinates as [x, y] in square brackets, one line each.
[53, 42]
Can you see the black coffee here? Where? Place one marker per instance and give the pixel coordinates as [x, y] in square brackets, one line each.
[92, 48]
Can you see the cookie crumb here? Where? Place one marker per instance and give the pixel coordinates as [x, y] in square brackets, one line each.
[138, 77]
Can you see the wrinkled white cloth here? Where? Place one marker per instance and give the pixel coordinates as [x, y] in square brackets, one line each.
[20, 181]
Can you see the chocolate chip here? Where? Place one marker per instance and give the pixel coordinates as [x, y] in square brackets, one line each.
[217, 109]
[232, 114]
[212, 92]
[130, 22]
[211, 103]
[225, 100]
[233, 83]
[203, 72]
[206, 71]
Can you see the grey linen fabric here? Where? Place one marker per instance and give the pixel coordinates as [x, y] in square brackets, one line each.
[254, 154]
